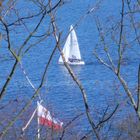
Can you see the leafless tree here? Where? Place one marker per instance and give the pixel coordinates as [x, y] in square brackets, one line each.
[118, 35]
[13, 21]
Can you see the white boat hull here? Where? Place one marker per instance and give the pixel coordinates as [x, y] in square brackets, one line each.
[74, 63]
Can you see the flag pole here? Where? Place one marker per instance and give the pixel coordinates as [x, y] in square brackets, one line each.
[38, 128]
[29, 121]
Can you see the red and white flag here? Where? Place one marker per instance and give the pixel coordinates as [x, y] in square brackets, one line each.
[46, 119]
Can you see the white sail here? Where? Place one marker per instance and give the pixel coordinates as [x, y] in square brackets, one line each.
[74, 46]
[71, 49]
[66, 50]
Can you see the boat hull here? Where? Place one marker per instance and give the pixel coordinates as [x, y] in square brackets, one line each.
[74, 63]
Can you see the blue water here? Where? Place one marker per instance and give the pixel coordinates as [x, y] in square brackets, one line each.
[60, 93]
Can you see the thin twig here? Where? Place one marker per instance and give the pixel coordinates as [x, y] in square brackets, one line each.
[108, 117]
[138, 103]
[104, 43]
[133, 22]
[120, 38]
[68, 124]
[102, 61]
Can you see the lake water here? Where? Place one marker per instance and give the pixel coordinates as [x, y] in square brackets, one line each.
[60, 93]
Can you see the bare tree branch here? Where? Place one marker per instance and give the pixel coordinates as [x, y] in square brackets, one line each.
[68, 124]
[102, 61]
[5, 130]
[138, 103]
[107, 118]
[22, 46]
[19, 52]
[73, 76]
[133, 22]
[101, 35]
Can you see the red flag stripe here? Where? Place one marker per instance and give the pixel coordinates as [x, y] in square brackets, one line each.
[49, 123]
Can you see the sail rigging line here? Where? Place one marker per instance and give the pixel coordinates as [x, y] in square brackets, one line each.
[29, 81]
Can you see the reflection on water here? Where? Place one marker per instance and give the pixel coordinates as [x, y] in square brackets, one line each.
[76, 69]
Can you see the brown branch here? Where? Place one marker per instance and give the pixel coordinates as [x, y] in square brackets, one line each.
[8, 79]
[101, 60]
[30, 101]
[9, 8]
[138, 103]
[102, 37]
[31, 34]
[24, 18]
[33, 97]
[37, 42]
[73, 75]
[19, 52]
[43, 77]
[102, 121]
[36, 92]
[35, 15]
[124, 84]
[108, 117]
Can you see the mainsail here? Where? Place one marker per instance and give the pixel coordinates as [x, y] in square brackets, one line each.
[74, 46]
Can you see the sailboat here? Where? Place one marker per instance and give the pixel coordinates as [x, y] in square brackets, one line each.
[71, 50]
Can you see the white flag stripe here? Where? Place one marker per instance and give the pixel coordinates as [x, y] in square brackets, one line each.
[46, 117]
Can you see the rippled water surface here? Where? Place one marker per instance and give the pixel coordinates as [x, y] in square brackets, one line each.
[60, 93]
